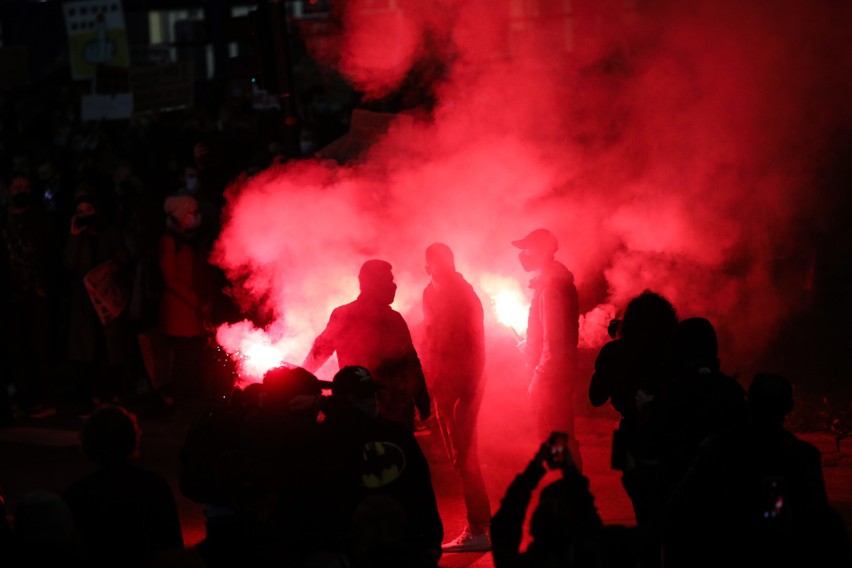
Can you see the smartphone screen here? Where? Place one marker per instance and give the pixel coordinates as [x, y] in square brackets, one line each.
[558, 447]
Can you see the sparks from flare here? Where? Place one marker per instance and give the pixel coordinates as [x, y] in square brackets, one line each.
[255, 350]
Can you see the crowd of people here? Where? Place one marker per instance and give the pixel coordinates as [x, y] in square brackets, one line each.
[291, 475]
[105, 229]
[105, 253]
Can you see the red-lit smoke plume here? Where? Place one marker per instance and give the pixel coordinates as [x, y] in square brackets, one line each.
[669, 145]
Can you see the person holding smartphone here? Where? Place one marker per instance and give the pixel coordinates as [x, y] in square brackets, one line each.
[565, 527]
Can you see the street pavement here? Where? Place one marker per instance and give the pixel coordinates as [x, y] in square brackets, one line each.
[44, 455]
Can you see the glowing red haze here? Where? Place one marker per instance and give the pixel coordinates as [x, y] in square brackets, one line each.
[669, 145]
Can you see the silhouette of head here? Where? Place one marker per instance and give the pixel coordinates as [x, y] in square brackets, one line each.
[20, 193]
[551, 518]
[110, 435]
[537, 249]
[439, 261]
[649, 318]
[696, 344]
[565, 510]
[183, 213]
[43, 520]
[86, 210]
[770, 398]
[376, 281]
[291, 388]
[353, 386]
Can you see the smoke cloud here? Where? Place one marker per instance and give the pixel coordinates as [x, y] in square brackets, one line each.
[672, 146]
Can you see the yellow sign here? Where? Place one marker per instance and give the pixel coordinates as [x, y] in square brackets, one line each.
[96, 36]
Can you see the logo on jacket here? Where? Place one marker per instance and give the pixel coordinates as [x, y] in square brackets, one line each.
[381, 464]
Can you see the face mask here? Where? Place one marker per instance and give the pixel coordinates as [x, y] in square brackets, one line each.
[367, 406]
[192, 184]
[21, 200]
[528, 261]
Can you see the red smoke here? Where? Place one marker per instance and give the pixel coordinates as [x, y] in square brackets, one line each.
[669, 145]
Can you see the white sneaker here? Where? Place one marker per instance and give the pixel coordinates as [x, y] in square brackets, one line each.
[468, 542]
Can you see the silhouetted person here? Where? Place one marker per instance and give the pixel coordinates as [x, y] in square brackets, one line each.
[630, 372]
[365, 455]
[250, 462]
[454, 362]
[369, 333]
[565, 527]
[44, 533]
[701, 402]
[552, 336]
[186, 301]
[123, 513]
[25, 276]
[97, 346]
[281, 443]
[756, 496]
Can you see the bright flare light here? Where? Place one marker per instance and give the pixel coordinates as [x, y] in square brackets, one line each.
[508, 301]
[259, 358]
[254, 349]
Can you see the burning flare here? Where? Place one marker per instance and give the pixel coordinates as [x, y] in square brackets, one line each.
[255, 350]
[510, 304]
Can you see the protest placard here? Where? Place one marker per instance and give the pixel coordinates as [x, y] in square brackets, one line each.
[106, 290]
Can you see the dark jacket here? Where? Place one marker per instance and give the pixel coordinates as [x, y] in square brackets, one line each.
[84, 252]
[373, 335]
[364, 456]
[454, 339]
[124, 514]
[553, 325]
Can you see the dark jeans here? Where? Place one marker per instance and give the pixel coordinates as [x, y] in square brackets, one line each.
[457, 419]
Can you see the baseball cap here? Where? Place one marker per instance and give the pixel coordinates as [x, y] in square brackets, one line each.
[538, 239]
[355, 380]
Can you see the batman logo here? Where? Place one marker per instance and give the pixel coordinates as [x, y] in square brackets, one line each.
[381, 464]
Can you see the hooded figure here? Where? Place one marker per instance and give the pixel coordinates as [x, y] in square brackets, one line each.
[552, 336]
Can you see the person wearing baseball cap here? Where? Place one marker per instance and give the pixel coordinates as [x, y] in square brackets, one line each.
[353, 388]
[354, 380]
[552, 335]
[365, 455]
